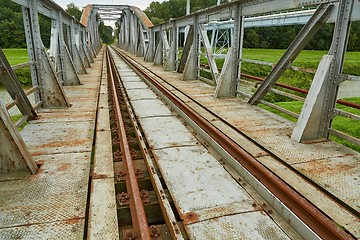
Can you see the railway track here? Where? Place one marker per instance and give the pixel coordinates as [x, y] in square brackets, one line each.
[140, 178]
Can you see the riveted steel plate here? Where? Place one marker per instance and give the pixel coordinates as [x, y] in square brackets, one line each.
[150, 108]
[279, 143]
[251, 225]
[338, 175]
[70, 230]
[88, 91]
[199, 196]
[137, 94]
[103, 223]
[67, 137]
[135, 85]
[166, 132]
[57, 192]
[63, 116]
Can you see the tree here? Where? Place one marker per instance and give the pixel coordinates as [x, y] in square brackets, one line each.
[106, 33]
[11, 25]
[74, 11]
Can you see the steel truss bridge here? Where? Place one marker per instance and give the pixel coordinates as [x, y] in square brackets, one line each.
[74, 45]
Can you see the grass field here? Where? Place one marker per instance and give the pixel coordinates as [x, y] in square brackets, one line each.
[16, 56]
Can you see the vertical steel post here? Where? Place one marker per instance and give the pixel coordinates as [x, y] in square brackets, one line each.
[43, 75]
[191, 70]
[228, 79]
[172, 54]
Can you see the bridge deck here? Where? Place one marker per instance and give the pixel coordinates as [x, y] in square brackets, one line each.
[52, 203]
[332, 166]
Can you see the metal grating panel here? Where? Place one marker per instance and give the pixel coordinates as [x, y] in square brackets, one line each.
[251, 225]
[69, 230]
[339, 175]
[49, 138]
[56, 193]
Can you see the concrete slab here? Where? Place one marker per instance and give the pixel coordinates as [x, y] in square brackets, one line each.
[167, 132]
[199, 196]
[150, 108]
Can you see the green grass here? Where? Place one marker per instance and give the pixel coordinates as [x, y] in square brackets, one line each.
[306, 59]
[16, 55]
[16, 118]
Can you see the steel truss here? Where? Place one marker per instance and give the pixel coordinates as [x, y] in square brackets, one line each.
[72, 48]
[319, 108]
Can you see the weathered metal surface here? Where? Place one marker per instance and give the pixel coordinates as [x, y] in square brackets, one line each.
[58, 138]
[346, 219]
[200, 196]
[56, 193]
[150, 108]
[14, 155]
[165, 132]
[250, 225]
[71, 230]
[329, 172]
[102, 213]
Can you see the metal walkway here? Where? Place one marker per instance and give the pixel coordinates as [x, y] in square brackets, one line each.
[52, 203]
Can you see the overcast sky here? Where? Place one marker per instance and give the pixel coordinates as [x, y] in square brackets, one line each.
[142, 4]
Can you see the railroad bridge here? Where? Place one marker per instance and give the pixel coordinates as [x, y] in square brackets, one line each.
[132, 141]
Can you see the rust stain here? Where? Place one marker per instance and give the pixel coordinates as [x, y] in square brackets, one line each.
[38, 172]
[85, 14]
[323, 167]
[99, 176]
[63, 167]
[190, 217]
[63, 143]
[73, 220]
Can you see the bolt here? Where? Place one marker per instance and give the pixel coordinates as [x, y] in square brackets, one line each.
[117, 155]
[121, 175]
[123, 198]
[130, 235]
[154, 232]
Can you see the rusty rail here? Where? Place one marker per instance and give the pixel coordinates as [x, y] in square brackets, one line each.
[295, 89]
[300, 90]
[321, 224]
[137, 210]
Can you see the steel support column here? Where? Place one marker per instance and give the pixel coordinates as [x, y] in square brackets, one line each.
[150, 51]
[43, 75]
[14, 155]
[60, 53]
[171, 56]
[304, 36]
[79, 64]
[191, 70]
[186, 51]
[159, 53]
[228, 79]
[321, 102]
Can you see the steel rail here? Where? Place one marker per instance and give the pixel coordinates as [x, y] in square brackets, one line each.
[137, 210]
[164, 203]
[320, 223]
